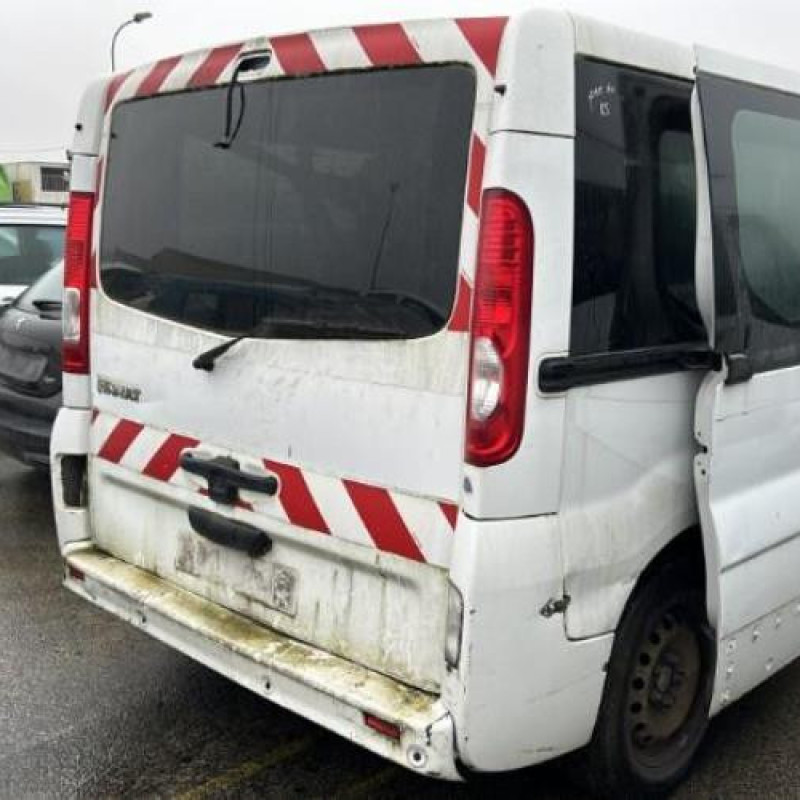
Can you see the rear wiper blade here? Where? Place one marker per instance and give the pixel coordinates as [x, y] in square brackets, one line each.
[312, 330]
[207, 359]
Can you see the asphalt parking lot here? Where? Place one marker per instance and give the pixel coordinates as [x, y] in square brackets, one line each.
[91, 708]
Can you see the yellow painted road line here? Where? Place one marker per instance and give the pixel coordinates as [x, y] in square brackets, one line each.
[366, 786]
[249, 769]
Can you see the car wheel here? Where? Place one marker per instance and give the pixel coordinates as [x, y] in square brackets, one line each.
[655, 706]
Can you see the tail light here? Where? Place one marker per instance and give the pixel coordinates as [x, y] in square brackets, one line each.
[500, 334]
[77, 281]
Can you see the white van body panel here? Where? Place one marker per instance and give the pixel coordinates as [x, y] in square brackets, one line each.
[158, 353]
[86, 138]
[539, 169]
[627, 489]
[622, 46]
[719, 62]
[747, 477]
[750, 513]
[526, 694]
[535, 86]
[745, 416]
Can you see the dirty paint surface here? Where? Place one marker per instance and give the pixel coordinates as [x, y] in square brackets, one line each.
[91, 707]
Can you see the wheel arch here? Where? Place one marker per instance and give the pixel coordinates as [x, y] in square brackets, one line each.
[610, 763]
[685, 546]
[600, 598]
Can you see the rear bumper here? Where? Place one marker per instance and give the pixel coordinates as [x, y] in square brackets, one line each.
[326, 689]
[25, 435]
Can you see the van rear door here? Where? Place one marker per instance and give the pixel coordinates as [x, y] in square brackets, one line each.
[322, 219]
[748, 414]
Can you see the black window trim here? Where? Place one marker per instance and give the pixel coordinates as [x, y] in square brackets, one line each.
[560, 373]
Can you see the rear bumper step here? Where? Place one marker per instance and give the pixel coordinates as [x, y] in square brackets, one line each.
[326, 689]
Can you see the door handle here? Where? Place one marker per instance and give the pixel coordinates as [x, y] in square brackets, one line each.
[229, 533]
[225, 478]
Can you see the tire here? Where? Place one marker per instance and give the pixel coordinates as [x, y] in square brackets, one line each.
[654, 711]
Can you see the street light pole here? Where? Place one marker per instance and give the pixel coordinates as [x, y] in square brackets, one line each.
[139, 16]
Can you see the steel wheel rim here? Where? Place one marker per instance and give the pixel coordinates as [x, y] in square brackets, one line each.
[663, 689]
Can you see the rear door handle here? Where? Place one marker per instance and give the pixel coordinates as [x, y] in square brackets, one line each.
[229, 533]
[225, 478]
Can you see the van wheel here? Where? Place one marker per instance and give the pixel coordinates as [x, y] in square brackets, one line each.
[658, 690]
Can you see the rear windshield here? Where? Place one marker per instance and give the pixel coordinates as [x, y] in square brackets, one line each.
[28, 251]
[319, 207]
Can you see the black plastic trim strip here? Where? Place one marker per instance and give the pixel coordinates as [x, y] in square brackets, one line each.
[225, 477]
[566, 372]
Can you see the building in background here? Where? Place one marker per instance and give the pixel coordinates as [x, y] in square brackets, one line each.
[6, 192]
[45, 183]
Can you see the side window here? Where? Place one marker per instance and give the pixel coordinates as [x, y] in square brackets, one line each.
[753, 142]
[633, 279]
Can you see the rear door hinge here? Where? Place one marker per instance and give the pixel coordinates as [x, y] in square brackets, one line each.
[555, 605]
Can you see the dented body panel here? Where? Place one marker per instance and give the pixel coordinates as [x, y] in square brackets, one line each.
[328, 690]
[628, 490]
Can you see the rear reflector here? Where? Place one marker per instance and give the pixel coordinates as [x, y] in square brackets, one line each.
[388, 729]
[501, 324]
[73, 573]
[77, 281]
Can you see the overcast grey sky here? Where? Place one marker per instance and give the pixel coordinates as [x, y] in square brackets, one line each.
[50, 48]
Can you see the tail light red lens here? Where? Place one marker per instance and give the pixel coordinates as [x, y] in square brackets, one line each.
[500, 338]
[77, 282]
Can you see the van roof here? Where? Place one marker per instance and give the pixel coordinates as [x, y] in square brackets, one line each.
[307, 52]
[604, 41]
[473, 39]
[399, 43]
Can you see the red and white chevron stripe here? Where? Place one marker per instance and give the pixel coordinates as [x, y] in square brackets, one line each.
[414, 527]
[473, 41]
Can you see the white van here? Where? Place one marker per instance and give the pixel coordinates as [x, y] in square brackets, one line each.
[419, 379]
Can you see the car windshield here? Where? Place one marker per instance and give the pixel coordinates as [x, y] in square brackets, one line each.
[45, 294]
[28, 251]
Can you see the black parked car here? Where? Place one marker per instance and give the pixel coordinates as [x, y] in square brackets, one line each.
[30, 369]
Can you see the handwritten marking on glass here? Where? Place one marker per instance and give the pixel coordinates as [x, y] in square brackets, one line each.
[600, 98]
